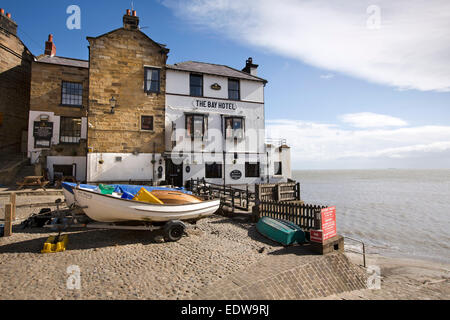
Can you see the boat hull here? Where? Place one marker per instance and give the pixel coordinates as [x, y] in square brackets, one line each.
[281, 231]
[104, 208]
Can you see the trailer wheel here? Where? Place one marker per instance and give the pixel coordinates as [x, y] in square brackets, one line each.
[174, 230]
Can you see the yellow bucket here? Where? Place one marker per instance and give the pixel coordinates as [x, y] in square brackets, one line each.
[51, 247]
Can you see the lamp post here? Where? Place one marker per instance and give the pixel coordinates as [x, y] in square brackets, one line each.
[113, 103]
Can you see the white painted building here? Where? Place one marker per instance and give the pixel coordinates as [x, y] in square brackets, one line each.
[215, 126]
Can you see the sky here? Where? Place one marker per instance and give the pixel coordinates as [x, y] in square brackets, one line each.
[353, 84]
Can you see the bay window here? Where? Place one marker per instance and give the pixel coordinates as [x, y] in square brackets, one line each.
[234, 128]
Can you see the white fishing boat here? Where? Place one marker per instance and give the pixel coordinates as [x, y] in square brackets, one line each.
[107, 208]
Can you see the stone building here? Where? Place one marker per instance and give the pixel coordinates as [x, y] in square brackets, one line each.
[15, 73]
[58, 113]
[126, 104]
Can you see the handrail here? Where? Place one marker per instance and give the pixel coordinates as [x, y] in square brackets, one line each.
[354, 251]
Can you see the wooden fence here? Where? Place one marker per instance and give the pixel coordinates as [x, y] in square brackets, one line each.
[232, 197]
[278, 191]
[306, 217]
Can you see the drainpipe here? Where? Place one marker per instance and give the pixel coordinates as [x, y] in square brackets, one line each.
[153, 163]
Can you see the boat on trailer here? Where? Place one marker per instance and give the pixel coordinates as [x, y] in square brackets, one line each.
[118, 188]
[108, 208]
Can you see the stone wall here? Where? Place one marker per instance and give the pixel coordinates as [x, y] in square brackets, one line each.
[15, 73]
[46, 84]
[117, 61]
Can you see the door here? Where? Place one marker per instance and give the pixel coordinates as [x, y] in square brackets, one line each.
[174, 173]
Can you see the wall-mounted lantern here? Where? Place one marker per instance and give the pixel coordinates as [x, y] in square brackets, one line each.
[113, 103]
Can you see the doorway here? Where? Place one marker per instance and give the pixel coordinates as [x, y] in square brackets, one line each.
[174, 173]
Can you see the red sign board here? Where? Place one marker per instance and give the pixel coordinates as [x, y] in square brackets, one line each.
[328, 228]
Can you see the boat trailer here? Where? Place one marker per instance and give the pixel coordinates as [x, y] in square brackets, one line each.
[61, 220]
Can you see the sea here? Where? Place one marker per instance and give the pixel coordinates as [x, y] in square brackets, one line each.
[397, 213]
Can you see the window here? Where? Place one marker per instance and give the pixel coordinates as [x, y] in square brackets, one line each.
[233, 89]
[251, 170]
[213, 170]
[278, 169]
[234, 128]
[147, 123]
[152, 80]
[196, 84]
[72, 94]
[70, 130]
[196, 126]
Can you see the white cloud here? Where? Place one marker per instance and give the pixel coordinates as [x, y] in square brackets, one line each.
[328, 145]
[327, 76]
[409, 49]
[371, 120]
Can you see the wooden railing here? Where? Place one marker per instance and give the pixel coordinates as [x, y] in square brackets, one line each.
[231, 197]
[278, 191]
[305, 216]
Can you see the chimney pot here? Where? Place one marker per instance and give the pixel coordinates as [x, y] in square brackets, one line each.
[50, 48]
[128, 12]
[134, 13]
[8, 15]
[2, 11]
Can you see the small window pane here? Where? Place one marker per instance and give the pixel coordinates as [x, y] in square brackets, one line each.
[213, 170]
[252, 170]
[147, 123]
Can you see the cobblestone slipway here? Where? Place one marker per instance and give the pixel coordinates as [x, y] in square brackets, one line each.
[219, 259]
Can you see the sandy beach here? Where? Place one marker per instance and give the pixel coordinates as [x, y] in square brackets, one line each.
[403, 279]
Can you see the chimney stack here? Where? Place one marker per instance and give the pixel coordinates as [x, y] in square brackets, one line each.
[50, 48]
[7, 23]
[130, 22]
[250, 68]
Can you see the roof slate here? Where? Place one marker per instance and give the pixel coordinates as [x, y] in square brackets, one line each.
[215, 69]
[63, 61]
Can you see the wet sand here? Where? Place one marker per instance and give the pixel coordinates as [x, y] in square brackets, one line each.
[402, 279]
